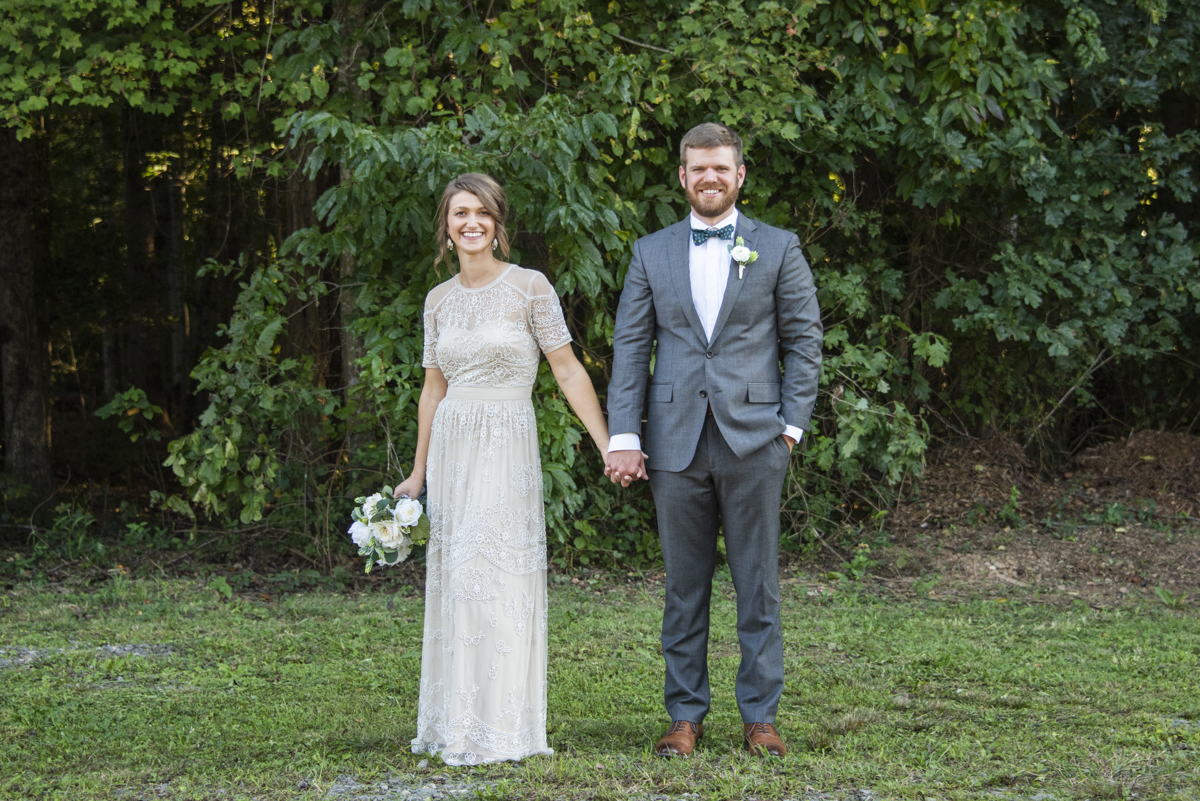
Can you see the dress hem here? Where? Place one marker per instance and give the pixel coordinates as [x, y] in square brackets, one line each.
[438, 750]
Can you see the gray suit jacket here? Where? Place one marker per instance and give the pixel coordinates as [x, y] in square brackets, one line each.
[768, 316]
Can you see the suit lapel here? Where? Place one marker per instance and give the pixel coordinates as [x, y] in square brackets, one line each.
[733, 288]
[679, 258]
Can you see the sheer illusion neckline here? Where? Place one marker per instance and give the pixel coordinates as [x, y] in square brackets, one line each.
[488, 285]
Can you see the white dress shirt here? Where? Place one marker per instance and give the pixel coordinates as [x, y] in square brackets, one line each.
[708, 268]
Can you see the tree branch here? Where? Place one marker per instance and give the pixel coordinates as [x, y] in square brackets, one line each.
[643, 44]
[203, 19]
[1096, 365]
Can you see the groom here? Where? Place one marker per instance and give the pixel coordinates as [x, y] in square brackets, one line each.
[721, 421]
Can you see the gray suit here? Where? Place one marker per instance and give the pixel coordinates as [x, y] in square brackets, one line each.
[730, 464]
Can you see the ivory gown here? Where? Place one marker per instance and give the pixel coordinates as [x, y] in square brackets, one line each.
[483, 660]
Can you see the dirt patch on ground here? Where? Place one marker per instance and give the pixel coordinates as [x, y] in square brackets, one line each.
[968, 482]
[980, 481]
[1104, 565]
[1149, 465]
[1120, 521]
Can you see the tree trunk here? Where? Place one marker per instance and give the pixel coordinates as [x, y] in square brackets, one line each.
[176, 279]
[308, 327]
[139, 252]
[108, 356]
[352, 346]
[350, 12]
[24, 358]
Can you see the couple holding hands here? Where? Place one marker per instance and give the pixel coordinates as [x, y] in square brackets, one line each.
[721, 302]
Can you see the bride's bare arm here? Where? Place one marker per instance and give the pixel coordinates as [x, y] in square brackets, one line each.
[432, 392]
[576, 385]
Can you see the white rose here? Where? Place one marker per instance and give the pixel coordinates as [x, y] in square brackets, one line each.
[407, 512]
[740, 253]
[369, 504]
[388, 533]
[361, 533]
[403, 549]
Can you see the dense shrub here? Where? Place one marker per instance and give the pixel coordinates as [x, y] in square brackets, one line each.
[985, 227]
[995, 198]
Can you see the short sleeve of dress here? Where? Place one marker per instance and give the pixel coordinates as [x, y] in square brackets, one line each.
[429, 353]
[546, 316]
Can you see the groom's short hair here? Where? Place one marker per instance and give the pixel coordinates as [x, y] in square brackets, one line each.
[710, 134]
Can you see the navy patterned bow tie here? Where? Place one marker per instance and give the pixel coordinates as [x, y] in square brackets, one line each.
[701, 235]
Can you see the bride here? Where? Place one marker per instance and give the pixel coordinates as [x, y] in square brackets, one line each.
[483, 660]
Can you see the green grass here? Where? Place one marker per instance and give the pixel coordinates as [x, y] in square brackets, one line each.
[911, 699]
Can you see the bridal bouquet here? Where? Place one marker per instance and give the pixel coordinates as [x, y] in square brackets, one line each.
[385, 529]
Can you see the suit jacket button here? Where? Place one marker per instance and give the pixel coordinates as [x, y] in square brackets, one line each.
[703, 394]
[708, 355]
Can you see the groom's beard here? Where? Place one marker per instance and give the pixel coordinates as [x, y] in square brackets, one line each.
[712, 207]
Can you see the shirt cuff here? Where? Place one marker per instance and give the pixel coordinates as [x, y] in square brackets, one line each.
[625, 442]
[788, 431]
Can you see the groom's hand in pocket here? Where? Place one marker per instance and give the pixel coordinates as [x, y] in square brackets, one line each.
[625, 467]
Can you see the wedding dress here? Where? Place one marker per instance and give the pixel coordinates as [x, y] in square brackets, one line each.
[483, 660]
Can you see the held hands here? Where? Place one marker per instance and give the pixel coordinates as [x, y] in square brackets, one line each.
[625, 467]
[408, 488]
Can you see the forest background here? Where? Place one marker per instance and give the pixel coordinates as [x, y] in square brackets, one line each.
[218, 223]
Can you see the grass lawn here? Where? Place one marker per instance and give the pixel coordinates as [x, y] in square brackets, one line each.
[275, 698]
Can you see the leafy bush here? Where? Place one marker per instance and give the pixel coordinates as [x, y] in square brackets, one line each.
[996, 213]
[133, 408]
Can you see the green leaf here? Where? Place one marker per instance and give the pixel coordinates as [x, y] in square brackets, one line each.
[320, 88]
[932, 348]
[266, 339]
[420, 532]
[221, 586]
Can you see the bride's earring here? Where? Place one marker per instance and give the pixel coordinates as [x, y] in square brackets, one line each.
[495, 243]
[449, 243]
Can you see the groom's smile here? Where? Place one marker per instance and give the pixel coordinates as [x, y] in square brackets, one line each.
[711, 179]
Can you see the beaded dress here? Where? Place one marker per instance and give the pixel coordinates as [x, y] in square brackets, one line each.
[483, 661]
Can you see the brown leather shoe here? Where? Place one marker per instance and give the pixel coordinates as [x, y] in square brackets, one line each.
[680, 739]
[762, 739]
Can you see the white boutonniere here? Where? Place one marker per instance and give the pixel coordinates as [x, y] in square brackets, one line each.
[742, 255]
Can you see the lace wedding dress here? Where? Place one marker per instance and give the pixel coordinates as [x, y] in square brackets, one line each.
[483, 661]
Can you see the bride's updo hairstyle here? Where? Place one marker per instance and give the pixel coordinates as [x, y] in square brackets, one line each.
[490, 194]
